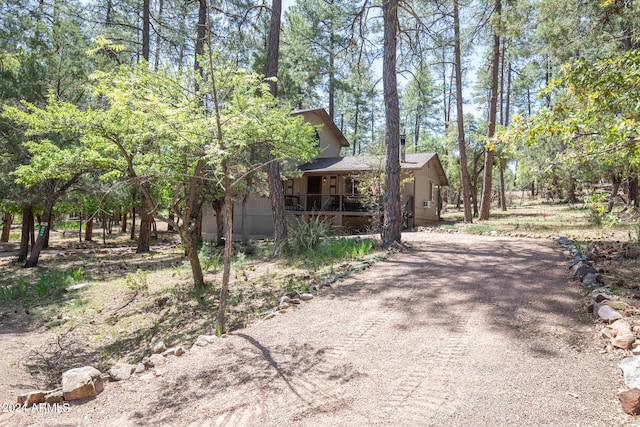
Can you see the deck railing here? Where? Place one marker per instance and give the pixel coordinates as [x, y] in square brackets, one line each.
[324, 203]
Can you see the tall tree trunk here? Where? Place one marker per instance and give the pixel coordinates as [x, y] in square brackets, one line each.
[485, 203]
[27, 225]
[276, 195]
[634, 194]
[392, 227]
[226, 273]
[156, 60]
[146, 220]
[146, 34]
[464, 173]
[332, 64]
[7, 219]
[201, 33]
[88, 230]
[218, 206]
[503, 191]
[124, 222]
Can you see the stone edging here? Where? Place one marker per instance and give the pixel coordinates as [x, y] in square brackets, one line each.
[605, 307]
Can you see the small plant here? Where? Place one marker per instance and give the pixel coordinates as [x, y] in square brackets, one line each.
[307, 236]
[479, 229]
[595, 204]
[137, 281]
[46, 285]
[210, 257]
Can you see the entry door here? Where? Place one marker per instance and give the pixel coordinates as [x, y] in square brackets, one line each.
[314, 190]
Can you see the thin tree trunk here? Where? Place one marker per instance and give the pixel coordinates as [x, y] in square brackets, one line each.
[124, 222]
[156, 60]
[218, 206]
[503, 192]
[615, 181]
[146, 220]
[40, 240]
[634, 194]
[146, 35]
[485, 203]
[7, 220]
[27, 225]
[88, 230]
[228, 244]
[464, 173]
[392, 227]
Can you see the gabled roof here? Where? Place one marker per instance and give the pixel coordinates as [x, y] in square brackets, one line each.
[413, 161]
[326, 120]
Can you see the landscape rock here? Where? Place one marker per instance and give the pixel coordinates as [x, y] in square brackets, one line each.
[35, 397]
[582, 270]
[80, 383]
[54, 396]
[306, 296]
[32, 398]
[601, 297]
[158, 347]
[77, 287]
[179, 351]
[607, 313]
[204, 340]
[590, 281]
[624, 340]
[630, 401]
[121, 371]
[140, 368]
[631, 370]
[153, 361]
[617, 305]
[577, 258]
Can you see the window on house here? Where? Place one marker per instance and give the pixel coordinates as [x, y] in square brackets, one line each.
[430, 191]
[288, 189]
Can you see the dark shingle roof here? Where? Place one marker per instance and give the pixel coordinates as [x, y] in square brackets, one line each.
[364, 163]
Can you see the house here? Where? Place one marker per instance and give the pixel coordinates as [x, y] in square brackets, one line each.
[332, 186]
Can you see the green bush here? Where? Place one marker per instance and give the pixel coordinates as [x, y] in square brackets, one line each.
[46, 285]
[307, 236]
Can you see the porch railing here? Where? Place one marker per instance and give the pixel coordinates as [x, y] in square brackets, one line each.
[324, 203]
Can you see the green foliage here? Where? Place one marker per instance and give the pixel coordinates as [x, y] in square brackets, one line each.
[313, 241]
[210, 257]
[137, 282]
[480, 228]
[46, 285]
[596, 204]
[307, 236]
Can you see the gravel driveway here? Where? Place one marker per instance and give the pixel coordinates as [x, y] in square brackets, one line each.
[462, 330]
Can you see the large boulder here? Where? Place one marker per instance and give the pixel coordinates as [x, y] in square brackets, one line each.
[80, 383]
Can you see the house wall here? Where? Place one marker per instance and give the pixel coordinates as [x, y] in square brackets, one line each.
[328, 142]
[426, 190]
[259, 220]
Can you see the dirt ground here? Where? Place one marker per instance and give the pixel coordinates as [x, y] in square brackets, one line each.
[462, 330]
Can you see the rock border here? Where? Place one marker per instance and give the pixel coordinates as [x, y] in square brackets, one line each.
[605, 307]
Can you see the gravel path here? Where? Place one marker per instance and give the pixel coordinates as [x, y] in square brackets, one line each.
[461, 331]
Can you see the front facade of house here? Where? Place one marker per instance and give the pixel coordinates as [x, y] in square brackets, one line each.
[334, 187]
